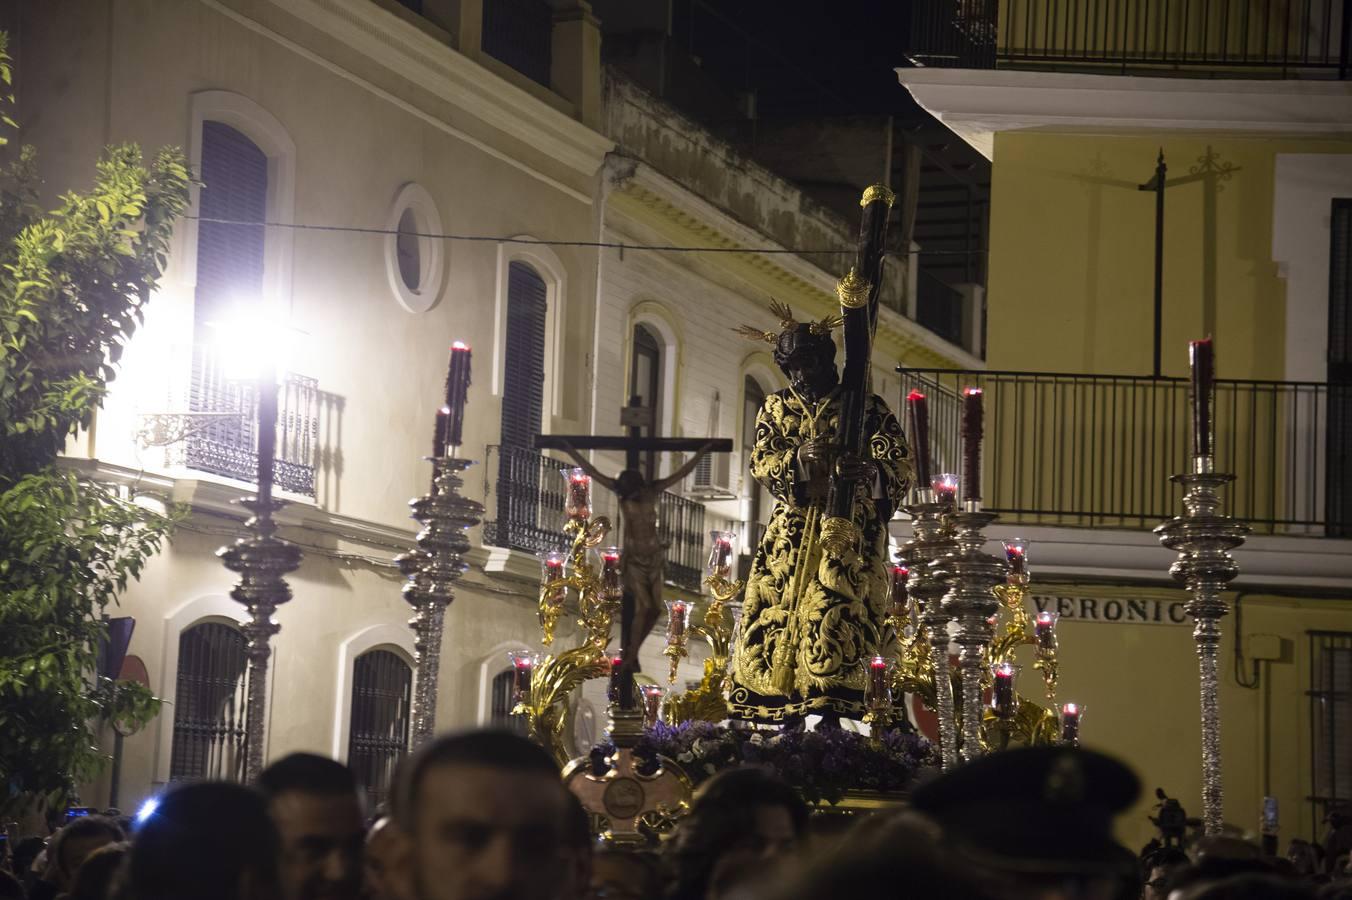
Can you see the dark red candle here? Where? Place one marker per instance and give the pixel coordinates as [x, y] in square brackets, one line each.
[1070, 723]
[917, 408]
[1002, 692]
[457, 391]
[439, 438]
[877, 672]
[971, 443]
[899, 594]
[616, 677]
[1202, 357]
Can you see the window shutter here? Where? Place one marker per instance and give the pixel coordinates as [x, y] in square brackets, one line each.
[1338, 497]
[524, 372]
[234, 187]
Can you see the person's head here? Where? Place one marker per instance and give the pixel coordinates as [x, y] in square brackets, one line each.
[487, 818]
[1157, 867]
[73, 844]
[1251, 886]
[386, 862]
[624, 875]
[807, 356]
[97, 876]
[10, 887]
[317, 809]
[739, 820]
[207, 841]
[628, 483]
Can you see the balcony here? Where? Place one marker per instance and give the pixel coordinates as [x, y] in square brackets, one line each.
[227, 444]
[1197, 38]
[529, 513]
[1096, 451]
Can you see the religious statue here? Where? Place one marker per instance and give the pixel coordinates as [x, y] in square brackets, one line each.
[644, 556]
[812, 619]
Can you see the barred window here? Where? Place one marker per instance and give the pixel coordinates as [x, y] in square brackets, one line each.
[209, 704]
[1331, 719]
[500, 711]
[382, 684]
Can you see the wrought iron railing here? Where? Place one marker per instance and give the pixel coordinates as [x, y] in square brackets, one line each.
[529, 512]
[1098, 450]
[228, 445]
[1330, 694]
[209, 705]
[520, 33]
[1255, 38]
[378, 738]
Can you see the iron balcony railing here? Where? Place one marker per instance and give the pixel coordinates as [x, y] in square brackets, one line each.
[228, 445]
[1098, 450]
[1236, 38]
[529, 492]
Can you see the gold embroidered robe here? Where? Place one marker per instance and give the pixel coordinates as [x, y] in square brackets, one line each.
[811, 624]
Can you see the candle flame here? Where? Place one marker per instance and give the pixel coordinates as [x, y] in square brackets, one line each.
[459, 345]
[971, 392]
[1070, 709]
[914, 396]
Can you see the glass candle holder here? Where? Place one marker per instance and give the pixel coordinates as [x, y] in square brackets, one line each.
[652, 703]
[720, 554]
[1044, 631]
[616, 676]
[900, 596]
[612, 586]
[946, 489]
[1005, 689]
[552, 565]
[878, 686]
[523, 669]
[1071, 713]
[577, 494]
[1016, 555]
[678, 621]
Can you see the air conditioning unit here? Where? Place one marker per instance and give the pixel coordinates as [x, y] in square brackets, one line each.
[710, 479]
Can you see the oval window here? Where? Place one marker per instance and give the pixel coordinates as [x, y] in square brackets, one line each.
[406, 245]
[413, 259]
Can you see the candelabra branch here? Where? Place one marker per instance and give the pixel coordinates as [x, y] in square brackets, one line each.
[925, 669]
[705, 701]
[1203, 539]
[432, 571]
[262, 561]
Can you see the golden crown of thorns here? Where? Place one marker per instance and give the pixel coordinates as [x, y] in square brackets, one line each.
[820, 327]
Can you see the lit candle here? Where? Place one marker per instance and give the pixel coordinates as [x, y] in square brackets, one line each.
[971, 444]
[946, 489]
[1016, 555]
[678, 615]
[611, 586]
[917, 408]
[577, 503]
[1070, 723]
[1044, 630]
[1202, 356]
[652, 703]
[877, 675]
[439, 438]
[267, 431]
[523, 668]
[720, 556]
[1004, 699]
[457, 392]
[616, 677]
[551, 571]
[899, 592]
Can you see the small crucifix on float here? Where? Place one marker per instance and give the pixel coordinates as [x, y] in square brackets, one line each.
[639, 491]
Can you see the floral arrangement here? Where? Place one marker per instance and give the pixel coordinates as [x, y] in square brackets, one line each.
[821, 765]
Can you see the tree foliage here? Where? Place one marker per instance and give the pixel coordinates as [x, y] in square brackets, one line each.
[74, 282]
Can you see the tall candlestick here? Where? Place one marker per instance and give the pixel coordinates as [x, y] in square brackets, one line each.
[267, 431]
[1202, 356]
[439, 437]
[971, 444]
[457, 392]
[918, 410]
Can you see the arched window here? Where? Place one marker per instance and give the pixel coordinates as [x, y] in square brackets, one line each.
[209, 704]
[234, 173]
[759, 501]
[382, 684]
[645, 378]
[500, 712]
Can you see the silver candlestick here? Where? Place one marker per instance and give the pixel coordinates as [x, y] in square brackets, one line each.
[1203, 539]
[262, 561]
[923, 554]
[432, 571]
[970, 600]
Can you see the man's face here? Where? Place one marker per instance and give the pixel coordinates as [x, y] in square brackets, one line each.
[809, 371]
[772, 836]
[322, 839]
[482, 833]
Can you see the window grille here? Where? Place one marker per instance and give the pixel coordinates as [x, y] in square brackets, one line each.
[1330, 720]
[1338, 498]
[209, 704]
[500, 712]
[382, 685]
[520, 33]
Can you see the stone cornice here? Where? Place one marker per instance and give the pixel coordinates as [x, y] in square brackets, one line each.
[681, 218]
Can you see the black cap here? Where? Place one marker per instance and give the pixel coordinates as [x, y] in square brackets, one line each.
[1036, 809]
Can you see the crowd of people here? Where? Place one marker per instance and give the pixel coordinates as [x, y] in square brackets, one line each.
[483, 815]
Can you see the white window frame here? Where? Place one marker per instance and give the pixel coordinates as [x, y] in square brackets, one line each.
[394, 638]
[431, 251]
[549, 267]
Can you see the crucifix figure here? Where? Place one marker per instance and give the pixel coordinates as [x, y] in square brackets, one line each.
[644, 555]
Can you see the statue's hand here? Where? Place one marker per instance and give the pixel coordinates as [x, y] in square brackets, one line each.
[815, 458]
[856, 469]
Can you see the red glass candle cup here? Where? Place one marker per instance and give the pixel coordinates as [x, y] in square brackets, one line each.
[900, 574]
[1044, 631]
[720, 555]
[878, 689]
[1004, 690]
[678, 619]
[612, 586]
[1016, 555]
[616, 677]
[523, 669]
[946, 490]
[577, 497]
[652, 703]
[1070, 723]
[551, 570]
